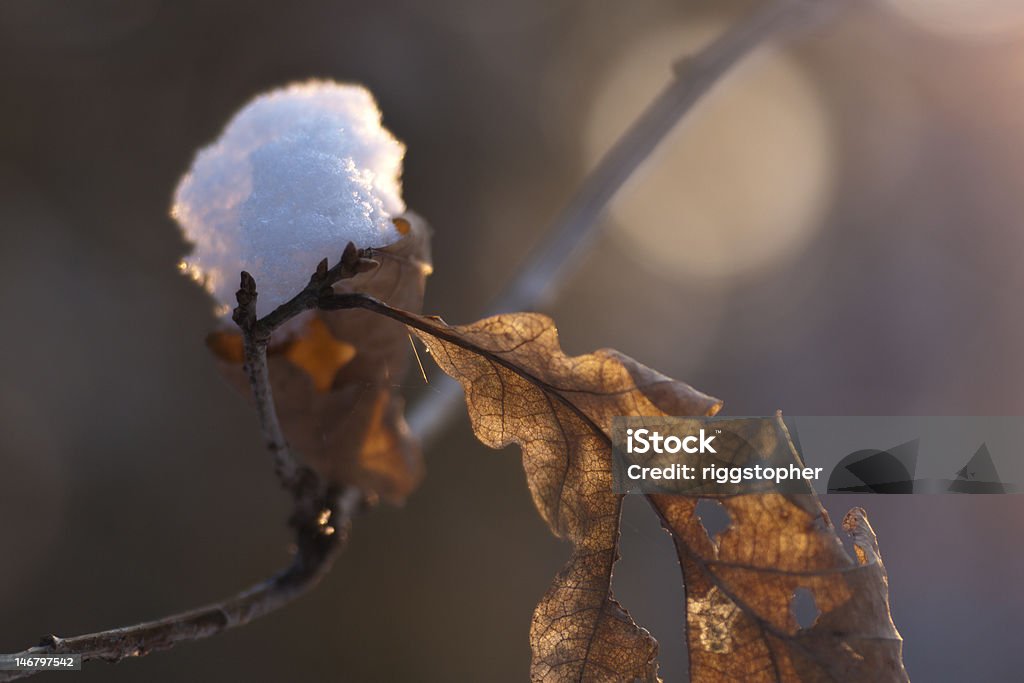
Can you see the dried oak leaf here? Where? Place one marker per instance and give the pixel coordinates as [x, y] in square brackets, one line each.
[740, 585]
[520, 388]
[334, 380]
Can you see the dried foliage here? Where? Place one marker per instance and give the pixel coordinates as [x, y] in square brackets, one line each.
[740, 585]
[520, 388]
[334, 379]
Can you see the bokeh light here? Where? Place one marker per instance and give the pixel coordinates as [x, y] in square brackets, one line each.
[741, 184]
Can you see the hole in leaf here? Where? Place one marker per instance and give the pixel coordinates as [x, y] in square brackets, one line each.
[804, 609]
[319, 354]
[713, 516]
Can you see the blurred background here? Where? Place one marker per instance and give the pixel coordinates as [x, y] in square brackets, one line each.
[836, 230]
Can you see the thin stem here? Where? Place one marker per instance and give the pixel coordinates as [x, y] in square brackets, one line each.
[311, 564]
[285, 465]
[321, 516]
[256, 335]
[576, 228]
[338, 302]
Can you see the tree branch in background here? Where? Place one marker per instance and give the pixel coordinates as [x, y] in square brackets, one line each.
[576, 228]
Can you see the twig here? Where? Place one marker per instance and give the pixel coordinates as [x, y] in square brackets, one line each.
[321, 515]
[312, 561]
[576, 227]
[256, 336]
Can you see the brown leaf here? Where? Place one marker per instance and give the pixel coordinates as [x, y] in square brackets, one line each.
[521, 388]
[740, 585]
[334, 380]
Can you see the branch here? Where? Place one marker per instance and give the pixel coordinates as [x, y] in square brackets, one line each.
[576, 227]
[321, 516]
[314, 557]
[256, 336]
